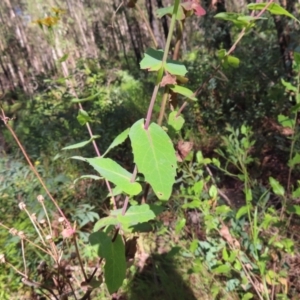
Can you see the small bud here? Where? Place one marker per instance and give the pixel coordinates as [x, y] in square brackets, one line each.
[2, 258]
[22, 205]
[40, 198]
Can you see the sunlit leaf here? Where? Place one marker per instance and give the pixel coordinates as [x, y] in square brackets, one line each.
[286, 121]
[83, 117]
[155, 157]
[152, 61]
[89, 177]
[139, 214]
[295, 160]
[222, 269]
[118, 140]
[273, 8]
[175, 121]
[277, 188]
[106, 221]
[114, 173]
[81, 144]
[183, 91]
[169, 11]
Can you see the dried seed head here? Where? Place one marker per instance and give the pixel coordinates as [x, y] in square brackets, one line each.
[2, 258]
[73, 255]
[33, 216]
[42, 221]
[61, 220]
[40, 198]
[22, 205]
[21, 235]
[13, 231]
[49, 238]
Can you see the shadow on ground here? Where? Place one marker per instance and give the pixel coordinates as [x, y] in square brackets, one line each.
[159, 279]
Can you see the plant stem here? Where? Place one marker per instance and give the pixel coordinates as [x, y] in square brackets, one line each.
[164, 59]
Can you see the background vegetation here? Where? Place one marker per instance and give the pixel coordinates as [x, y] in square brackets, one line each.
[231, 227]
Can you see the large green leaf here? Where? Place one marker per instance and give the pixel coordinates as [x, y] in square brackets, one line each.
[139, 214]
[114, 173]
[114, 255]
[273, 8]
[152, 61]
[106, 221]
[169, 11]
[115, 265]
[118, 140]
[154, 156]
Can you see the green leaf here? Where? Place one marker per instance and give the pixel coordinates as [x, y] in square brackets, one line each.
[180, 225]
[183, 91]
[248, 296]
[221, 53]
[114, 255]
[92, 97]
[297, 58]
[106, 221]
[175, 67]
[114, 173]
[241, 212]
[139, 214]
[81, 144]
[194, 204]
[213, 192]
[175, 122]
[225, 254]
[277, 188]
[152, 61]
[273, 8]
[115, 266]
[294, 209]
[286, 121]
[238, 20]
[295, 160]
[83, 117]
[118, 140]
[88, 176]
[296, 193]
[233, 61]
[155, 157]
[222, 269]
[63, 58]
[169, 11]
[288, 86]
[99, 241]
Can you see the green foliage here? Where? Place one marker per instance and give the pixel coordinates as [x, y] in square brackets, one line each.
[155, 157]
[234, 241]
